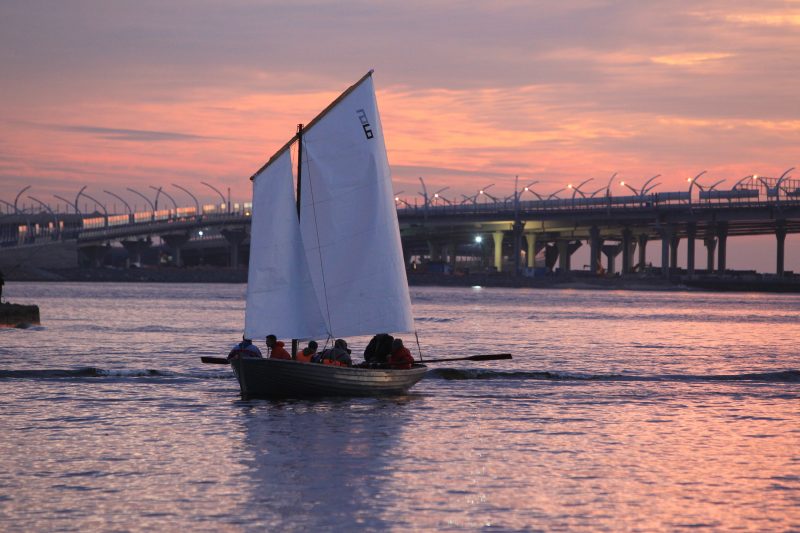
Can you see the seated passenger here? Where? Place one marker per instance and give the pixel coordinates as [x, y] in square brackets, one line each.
[246, 348]
[401, 358]
[305, 355]
[378, 349]
[339, 355]
[276, 349]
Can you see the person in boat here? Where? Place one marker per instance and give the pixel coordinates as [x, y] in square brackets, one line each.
[339, 355]
[400, 358]
[305, 355]
[246, 348]
[377, 351]
[275, 348]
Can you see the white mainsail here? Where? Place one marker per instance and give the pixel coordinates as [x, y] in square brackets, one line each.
[280, 296]
[349, 220]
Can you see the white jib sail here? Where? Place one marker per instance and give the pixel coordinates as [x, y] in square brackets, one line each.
[280, 296]
[349, 221]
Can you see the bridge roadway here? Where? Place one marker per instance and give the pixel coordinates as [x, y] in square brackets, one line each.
[519, 230]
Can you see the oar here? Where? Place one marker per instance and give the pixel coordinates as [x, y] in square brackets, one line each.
[215, 360]
[485, 357]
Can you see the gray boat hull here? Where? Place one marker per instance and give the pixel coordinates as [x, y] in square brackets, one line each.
[277, 378]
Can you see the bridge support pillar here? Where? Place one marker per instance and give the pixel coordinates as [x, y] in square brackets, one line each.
[722, 238]
[552, 254]
[530, 255]
[176, 241]
[596, 245]
[434, 251]
[666, 241]
[780, 236]
[518, 227]
[135, 249]
[234, 236]
[611, 252]
[691, 231]
[564, 259]
[642, 251]
[674, 241]
[711, 243]
[93, 255]
[451, 254]
[627, 250]
[498, 250]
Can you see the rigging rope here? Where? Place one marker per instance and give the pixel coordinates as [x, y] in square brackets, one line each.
[319, 248]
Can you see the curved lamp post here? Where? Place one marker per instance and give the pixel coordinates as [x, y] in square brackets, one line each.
[18, 195]
[527, 188]
[608, 187]
[780, 180]
[555, 194]
[69, 204]
[692, 183]
[8, 204]
[577, 188]
[482, 192]
[398, 200]
[55, 216]
[160, 190]
[146, 199]
[96, 201]
[77, 196]
[218, 192]
[437, 196]
[121, 199]
[196, 203]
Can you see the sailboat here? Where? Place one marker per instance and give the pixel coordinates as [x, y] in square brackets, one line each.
[325, 256]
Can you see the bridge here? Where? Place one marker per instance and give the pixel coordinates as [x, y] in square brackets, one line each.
[520, 234]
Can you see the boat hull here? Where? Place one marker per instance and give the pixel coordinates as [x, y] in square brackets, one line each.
[277, 378]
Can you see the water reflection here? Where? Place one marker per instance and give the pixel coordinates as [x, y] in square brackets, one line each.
[321, 464]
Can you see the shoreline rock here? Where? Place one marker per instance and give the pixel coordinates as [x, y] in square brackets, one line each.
[18, 316]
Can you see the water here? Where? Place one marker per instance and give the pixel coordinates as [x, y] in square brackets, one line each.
[619, 411]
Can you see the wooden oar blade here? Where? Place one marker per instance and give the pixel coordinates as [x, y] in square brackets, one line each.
[490, 357]
[214, 360]
[481, 357]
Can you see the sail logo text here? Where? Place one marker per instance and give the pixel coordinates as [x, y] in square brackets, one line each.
[362, 116]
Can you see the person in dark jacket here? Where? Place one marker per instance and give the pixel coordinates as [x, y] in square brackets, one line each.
[378, 350]
[339, 355]
[400, 358]
[246, 348]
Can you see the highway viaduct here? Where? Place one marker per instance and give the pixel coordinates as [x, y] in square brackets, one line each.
[616, 229]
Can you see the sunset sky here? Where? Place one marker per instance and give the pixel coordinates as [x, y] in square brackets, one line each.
[117, 94]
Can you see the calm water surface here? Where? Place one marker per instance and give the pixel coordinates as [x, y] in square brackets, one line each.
[620, 411]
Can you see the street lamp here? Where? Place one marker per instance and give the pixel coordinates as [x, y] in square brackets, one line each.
[161, 191]
[437, 196]
[146, 199]
[577, 188]
[55, 216]
[196, 203]
[96, 201]
[18, 195]
[527, 188]
[218, 192]
[69, 204]
[780, 180]
[121, 199]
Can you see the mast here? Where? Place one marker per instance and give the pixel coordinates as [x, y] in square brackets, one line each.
[299, 189]
[299, 164]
